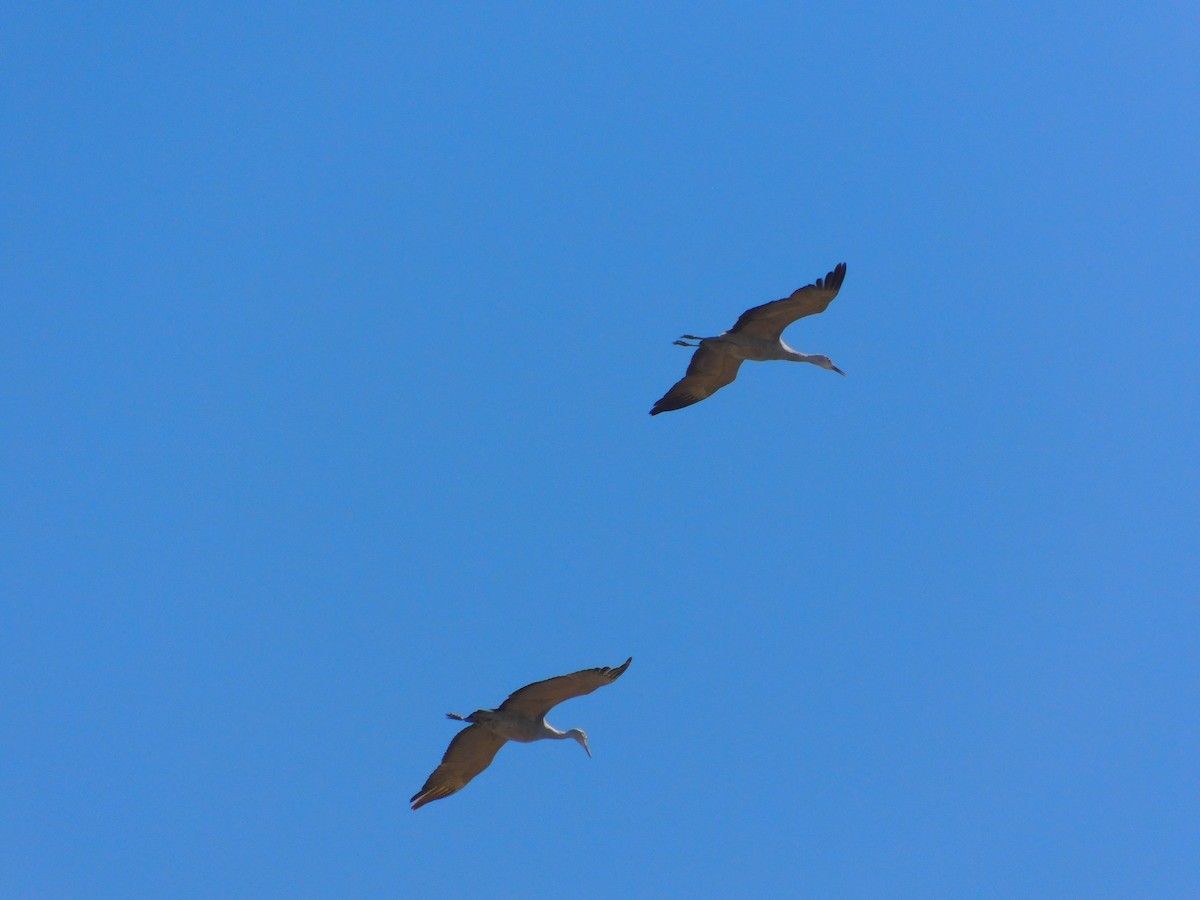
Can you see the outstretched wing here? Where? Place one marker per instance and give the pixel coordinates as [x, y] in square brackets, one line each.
[709, 371]
[537, 699]
[769, 320]
[471, 751]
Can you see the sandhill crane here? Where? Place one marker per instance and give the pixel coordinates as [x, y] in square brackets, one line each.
[757, 335]
[522, 717]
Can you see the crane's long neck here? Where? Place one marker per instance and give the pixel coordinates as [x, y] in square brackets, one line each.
[574, 734]
[817, 359]
[786, 352]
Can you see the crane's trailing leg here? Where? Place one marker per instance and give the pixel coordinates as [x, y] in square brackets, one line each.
[479, 717]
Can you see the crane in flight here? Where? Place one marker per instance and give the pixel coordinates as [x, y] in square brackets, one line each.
[522, 717]
[756, 335]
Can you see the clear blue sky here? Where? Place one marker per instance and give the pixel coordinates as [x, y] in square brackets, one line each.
[329, 335]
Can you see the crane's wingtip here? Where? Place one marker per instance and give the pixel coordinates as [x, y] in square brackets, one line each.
[423, 796]
[833, 281]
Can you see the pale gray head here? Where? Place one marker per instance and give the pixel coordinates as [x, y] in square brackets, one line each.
[581, 737]
[825, 363]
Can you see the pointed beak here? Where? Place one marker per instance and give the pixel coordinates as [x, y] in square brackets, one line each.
[583, 741]
[836, 369]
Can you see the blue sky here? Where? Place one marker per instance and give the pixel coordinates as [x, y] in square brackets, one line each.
[330, 337]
